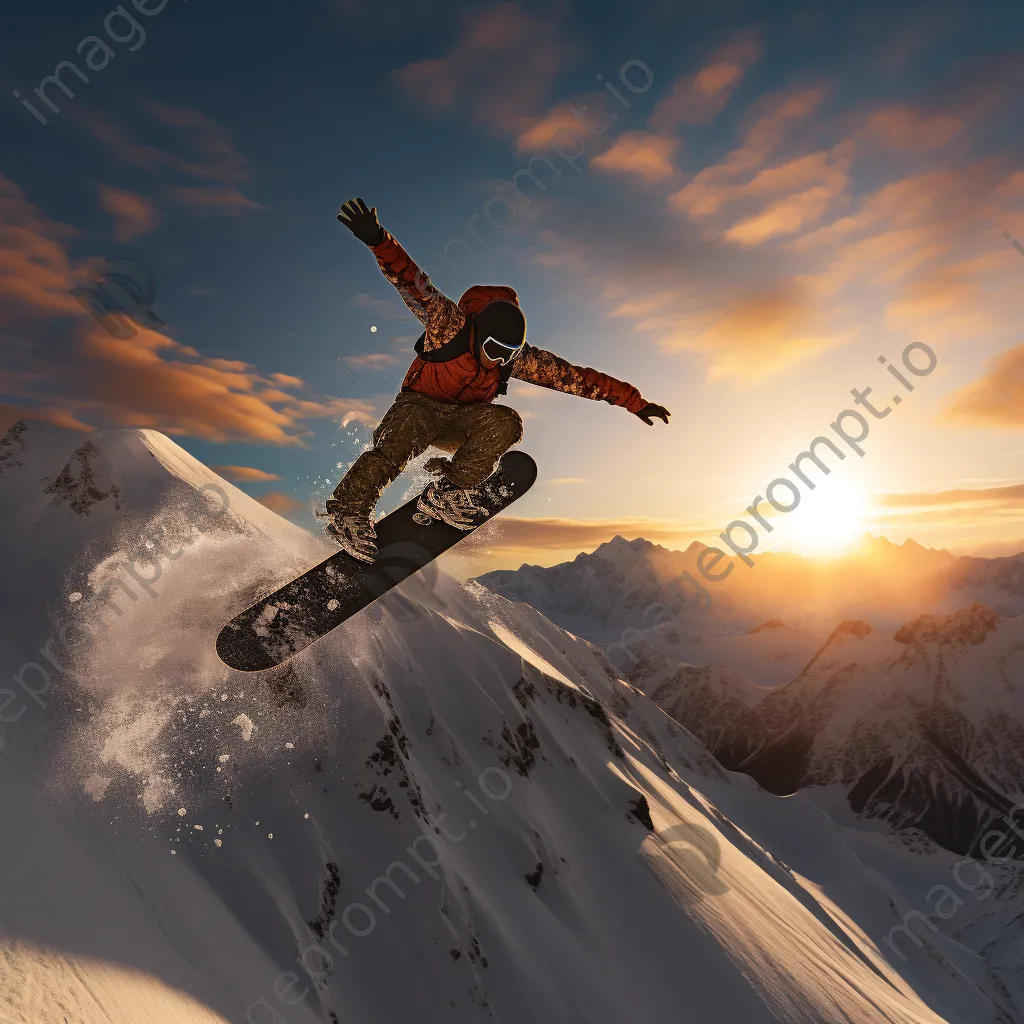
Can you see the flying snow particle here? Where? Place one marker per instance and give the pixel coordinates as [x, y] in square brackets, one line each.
[306, 815]
[217, 842]
[270, 835]
[96, 786]
[182, 812]
[333, 605]
[289, 746]
[223, 696]
[198, 828]
[173, 852]
[244, 722]
[75, 596]
[223, 758]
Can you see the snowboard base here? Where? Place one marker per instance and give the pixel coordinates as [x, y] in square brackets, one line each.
[286, 622]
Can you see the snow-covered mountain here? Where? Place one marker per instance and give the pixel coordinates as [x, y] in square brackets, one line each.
[921, 725]
[450, 808]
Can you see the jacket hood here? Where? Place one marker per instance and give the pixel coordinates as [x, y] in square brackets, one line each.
[479, 295]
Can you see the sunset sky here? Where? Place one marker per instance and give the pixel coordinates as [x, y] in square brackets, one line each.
[792, 191]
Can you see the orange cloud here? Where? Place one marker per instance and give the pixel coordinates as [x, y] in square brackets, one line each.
[510, 533]
[47, 413]
[945, 301]
[700, 98]
[1011, 496]
[718, 184]
[213, 198]
[561, 127]
[997, 398]
[281, 503]
[220, 160]
[499, 68]
[152, 159]
[81, 375]
[373, 360]
[245, 474]
[135, 214]
[791, 213]
[905, 128]
[213, 158]
[911, 235]
[756, 335]
[641, 154]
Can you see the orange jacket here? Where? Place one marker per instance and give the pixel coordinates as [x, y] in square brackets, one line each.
[464, 379]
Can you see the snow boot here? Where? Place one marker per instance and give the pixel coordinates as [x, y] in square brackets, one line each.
[457, 506]
[352, 531]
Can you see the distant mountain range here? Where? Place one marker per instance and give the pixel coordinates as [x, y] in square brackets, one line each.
[920, 722]
[885, 583]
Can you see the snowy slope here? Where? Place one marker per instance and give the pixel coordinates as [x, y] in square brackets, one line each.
[449, 808]
[923, 726]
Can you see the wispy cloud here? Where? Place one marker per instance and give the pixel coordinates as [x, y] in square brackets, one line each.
[714, 185]
[245, 474]
[212, 199]
[499, 69]
[206, 179]
[995, 399]
[699, 98]
[510, 533]
[643, 155]
[283, 504]
[133, 213]
[1010, 495]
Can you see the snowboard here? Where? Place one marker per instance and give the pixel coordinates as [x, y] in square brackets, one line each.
[287, 621]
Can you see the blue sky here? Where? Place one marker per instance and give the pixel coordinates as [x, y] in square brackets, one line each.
[800, 188]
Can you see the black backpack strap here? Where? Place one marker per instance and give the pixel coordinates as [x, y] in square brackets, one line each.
[459, 345]
[505, 372]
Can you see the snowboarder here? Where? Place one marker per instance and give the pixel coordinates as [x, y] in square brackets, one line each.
[464, 359]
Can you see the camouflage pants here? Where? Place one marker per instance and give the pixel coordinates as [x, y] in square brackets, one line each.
[478, 434]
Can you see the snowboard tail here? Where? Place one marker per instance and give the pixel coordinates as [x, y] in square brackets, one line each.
[301, 612]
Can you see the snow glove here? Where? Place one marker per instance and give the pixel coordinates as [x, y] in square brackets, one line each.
[361, 222]
[656, 411]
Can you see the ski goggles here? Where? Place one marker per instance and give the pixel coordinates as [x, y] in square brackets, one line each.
[501, 351]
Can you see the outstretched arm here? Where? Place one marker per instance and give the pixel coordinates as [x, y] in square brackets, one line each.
[537, 366]
[441, 318]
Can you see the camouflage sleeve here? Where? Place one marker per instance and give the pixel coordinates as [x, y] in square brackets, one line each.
[441, 318]
[535, 366]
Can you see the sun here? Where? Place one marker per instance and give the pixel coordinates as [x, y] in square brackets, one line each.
[828, 521]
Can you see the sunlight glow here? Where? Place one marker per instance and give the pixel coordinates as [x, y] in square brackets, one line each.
[828, 521]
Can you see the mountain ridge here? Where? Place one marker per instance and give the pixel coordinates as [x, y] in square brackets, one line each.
[450, 807]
